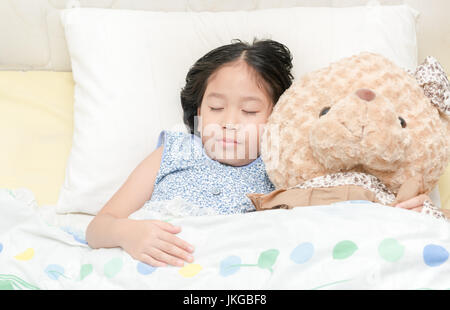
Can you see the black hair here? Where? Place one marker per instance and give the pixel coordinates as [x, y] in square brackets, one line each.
[270, 59]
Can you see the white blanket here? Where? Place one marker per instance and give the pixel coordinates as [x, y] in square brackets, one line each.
[352, 245]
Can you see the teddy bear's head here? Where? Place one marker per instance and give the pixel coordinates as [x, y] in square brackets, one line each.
[361, 114]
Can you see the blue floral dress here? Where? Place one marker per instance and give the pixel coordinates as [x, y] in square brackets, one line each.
[187, 172]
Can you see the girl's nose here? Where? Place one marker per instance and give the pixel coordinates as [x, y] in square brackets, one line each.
[230, 121]
[231, 126]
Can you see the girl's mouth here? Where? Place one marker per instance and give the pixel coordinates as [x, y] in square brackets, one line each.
[228, 142]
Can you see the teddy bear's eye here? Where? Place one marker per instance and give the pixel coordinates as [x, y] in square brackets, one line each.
[324, 111]
[402, 122]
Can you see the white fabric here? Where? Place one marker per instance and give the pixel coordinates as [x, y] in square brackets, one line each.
[129, 67]
[349, 245]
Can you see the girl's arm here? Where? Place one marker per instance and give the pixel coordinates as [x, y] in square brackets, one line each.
[150, 241]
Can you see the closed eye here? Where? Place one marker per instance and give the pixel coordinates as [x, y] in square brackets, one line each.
[215, 109]
[250, 112]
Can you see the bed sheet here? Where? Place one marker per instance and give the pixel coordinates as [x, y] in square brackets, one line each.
[351, 245]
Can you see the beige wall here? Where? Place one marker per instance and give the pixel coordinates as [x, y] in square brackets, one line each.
[433, 29]
[31, 36]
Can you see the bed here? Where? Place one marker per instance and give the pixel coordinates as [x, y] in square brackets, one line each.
[349, 245]
[51, 184]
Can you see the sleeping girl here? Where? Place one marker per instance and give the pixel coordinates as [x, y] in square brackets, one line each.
[228, 96]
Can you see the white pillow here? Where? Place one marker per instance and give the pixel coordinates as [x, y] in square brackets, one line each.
[129, 67]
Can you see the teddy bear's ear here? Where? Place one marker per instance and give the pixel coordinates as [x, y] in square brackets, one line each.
[432, 78]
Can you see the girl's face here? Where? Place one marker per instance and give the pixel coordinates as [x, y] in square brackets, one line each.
[232, 114]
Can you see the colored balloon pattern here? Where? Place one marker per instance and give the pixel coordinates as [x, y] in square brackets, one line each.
[145, 269]
[113, 267]
[302, 253]
[54, 271]
[190, 270]
[389, 249]
[230, 265]
[25, 255]
[85, 270]
[434, 255]
[267, 259]
[344, 249]
[77, 235]
[12, 282]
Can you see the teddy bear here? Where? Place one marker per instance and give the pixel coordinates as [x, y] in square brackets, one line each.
[362, 128]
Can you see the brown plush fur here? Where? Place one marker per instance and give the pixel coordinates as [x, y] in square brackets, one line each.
[356, 134]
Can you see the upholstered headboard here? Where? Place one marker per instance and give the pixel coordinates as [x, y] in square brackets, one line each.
[33, 39]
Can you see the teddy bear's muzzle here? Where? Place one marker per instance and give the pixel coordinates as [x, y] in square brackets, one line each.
[349, 136]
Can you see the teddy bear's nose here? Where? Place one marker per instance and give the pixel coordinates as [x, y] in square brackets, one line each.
[365, 94]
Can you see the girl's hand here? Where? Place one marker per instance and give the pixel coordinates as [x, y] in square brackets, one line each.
[414, 204]
[154, 242]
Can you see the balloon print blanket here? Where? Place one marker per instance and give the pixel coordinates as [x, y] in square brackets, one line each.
[351, 245]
